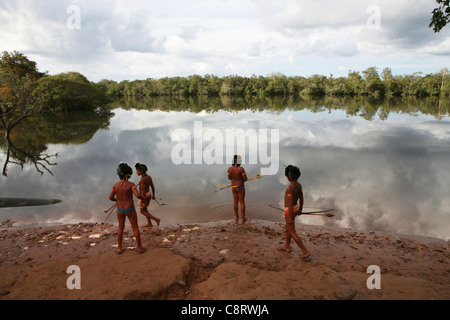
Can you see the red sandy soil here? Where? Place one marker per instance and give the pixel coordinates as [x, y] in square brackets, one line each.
[221, 260]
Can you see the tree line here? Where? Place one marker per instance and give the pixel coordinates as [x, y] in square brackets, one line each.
[37, 102]
[366, 83]
[22, 87]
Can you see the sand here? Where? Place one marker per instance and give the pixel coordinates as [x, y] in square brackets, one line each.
[220, 261]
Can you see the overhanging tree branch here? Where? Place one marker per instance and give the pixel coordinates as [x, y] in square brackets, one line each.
[440, 15]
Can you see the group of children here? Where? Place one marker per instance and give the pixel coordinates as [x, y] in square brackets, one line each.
[122, 192]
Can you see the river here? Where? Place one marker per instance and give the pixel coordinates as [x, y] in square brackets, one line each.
[380, 172]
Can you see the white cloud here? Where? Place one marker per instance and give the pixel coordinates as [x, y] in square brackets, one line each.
[138, 39]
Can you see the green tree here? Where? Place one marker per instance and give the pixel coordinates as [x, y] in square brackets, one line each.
[444, 88]
[213, 85]
[257, 86]
[68, 91]
[196, 85]
[335, 86]
[277, 84]
[430, 85]
[17, 105]
[440, 15]
[17, 101]
[233, 85]
[294, 85]
[387, 77]
[355, 84]
[315, 86]
[411, 84]
[372, 83]
[26, 95]
[180, 86]
[18, 64]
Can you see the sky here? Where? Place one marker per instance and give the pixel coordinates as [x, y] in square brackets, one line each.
[136, 39]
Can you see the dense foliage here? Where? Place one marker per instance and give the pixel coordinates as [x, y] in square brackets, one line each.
[440, 15]
[24, 88]
[37, 108]
[365, 83]
[28, 98]
[69, 91]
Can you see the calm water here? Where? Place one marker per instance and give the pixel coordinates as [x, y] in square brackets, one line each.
[390, 175]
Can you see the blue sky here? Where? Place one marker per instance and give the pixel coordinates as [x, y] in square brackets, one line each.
[136, 39]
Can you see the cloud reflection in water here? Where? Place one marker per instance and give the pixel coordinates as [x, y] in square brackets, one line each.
[388, 175]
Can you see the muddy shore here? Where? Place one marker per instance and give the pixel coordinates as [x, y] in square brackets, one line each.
[220, 261]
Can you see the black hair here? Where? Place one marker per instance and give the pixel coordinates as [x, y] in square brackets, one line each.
[237, 160]
[124, 171]
[141, 167]
[292, 172]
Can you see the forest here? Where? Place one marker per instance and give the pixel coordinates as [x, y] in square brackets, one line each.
[23, 87]
[368, 83]
[25, 91]
[37, 108]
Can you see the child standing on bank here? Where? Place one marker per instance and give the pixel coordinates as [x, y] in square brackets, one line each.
[293, 206]
[145, 184]
[122, 192]
[238, 176]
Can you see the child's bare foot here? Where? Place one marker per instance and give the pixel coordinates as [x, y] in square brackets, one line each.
[119, 251]
[306, 257]
[244, 220]
[157, 221]
[284, 249]
[141, 250]
[148, 225]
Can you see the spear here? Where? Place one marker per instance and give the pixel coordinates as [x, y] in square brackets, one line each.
[115, 205]
[320, 212]
[112, 209]
[225, 186]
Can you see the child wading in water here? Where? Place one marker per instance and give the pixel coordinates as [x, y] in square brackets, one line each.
[145, 184]
[293, 194]
[238, 176]
[122, 192]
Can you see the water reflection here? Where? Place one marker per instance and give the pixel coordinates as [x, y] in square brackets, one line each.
[27, 142]
[385, 174]
[366, 107]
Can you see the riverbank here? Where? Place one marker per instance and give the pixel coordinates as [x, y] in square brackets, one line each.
[220, 260]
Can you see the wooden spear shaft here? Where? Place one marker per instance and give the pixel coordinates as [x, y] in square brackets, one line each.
[225, 186]
[313, 213]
